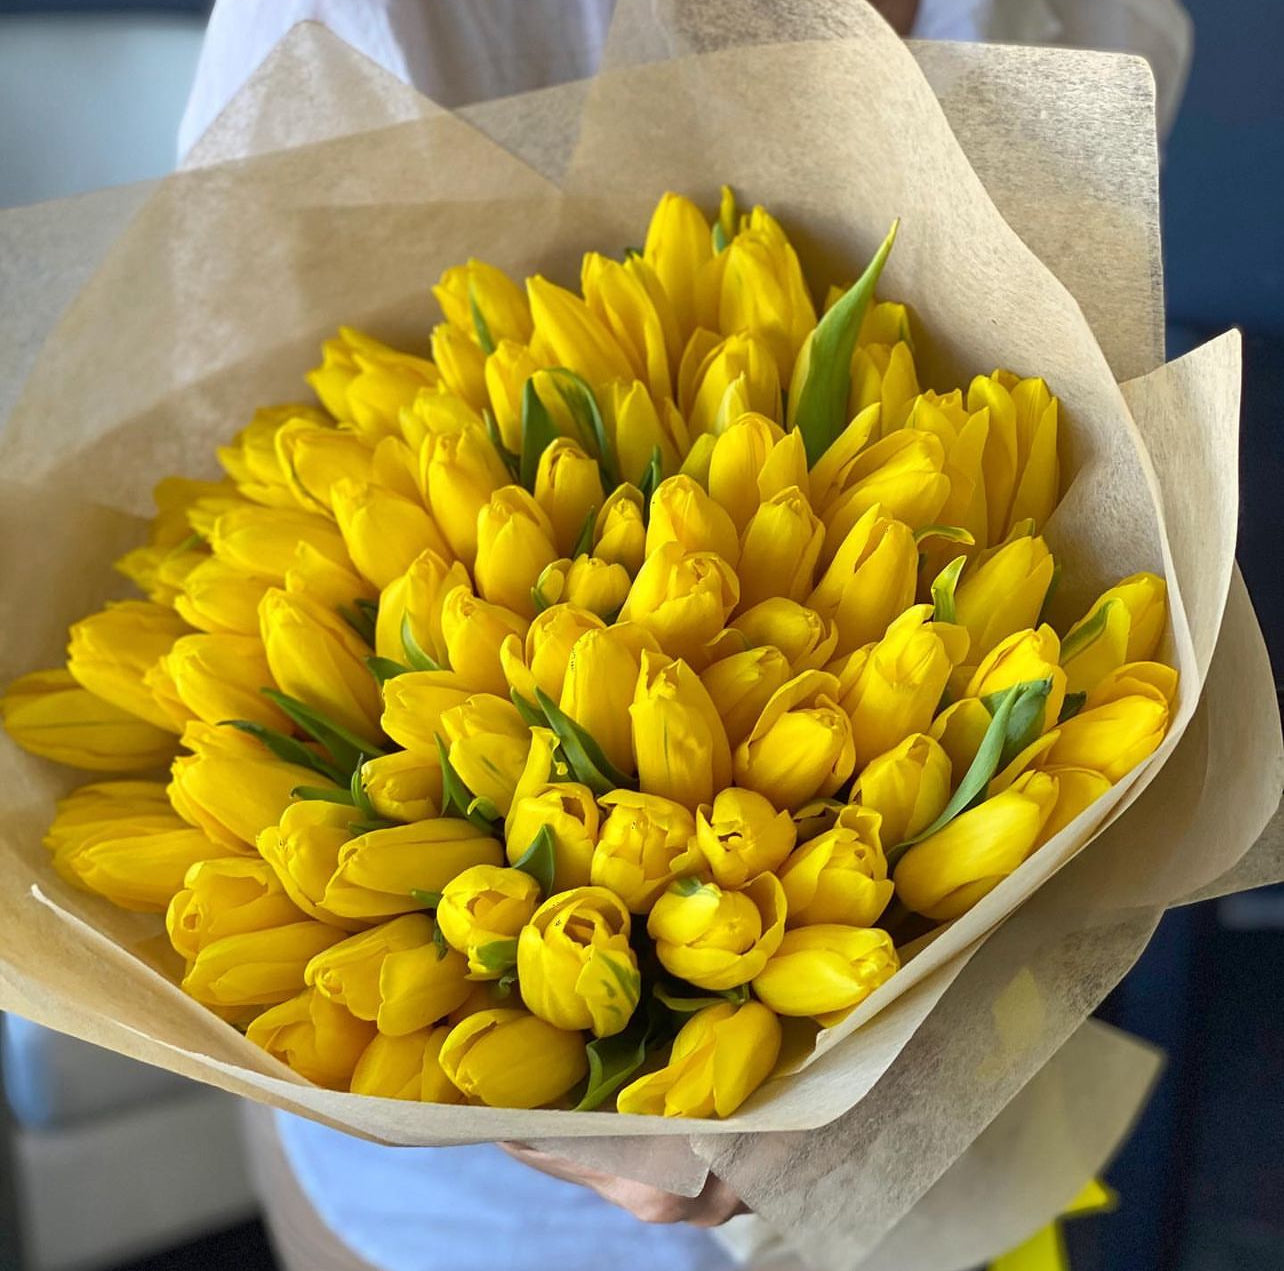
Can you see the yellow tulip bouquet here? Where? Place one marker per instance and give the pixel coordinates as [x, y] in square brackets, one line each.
[549, 718]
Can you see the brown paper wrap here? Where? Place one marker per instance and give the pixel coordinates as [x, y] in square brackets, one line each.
[329, 193]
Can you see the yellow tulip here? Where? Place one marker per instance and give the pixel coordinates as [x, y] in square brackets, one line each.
[317, 658]
[884, 374]
[763, 291]
[1112, 736]
[1076, 789]
[738, 374]
[683, 599]
[682, 513]
[1004, 593]
[1020, 464]
[619, 536]
[959, 729]
[227, 897]
[265, 541]
[870, 582]
[414, 704]
[569, 812]
[461, 364]
[837, 469]
[110, 651]
[574, 964]
[514, 544]
[473, 632]
[780, 548]
[628, 300]
[481, 913]
[587, 582]
[437, 412]
[365, 382]
[303, 851]
[898, 684]
[741, 836]
[908, 786]
[383, 532]
[318, 579]
[945, 875]
[677, 248]
[741, 685]
[312, 460]
[511, 1059]
[159, 571]
[219, 597]
[476, 297]
[638, 425]
[377, 871]
[102, 805]
[678, 739]
[568, 487]
[839, 876]
[718, 939]
[736, 463]
[405, 785]
[253, 461]
[257, 968]
[393, 975]
[825, 970]
[964, 437]
[416, 598]
[642, 841]
[801, 634]
[405, 1067]
[219, 677]
[574, 336]
[1021, 657]
[540, 661]
[50, 715]
[801, 746]
[599, 686]
[1124, 624]
[202, 511]
[488, 742]
[544, 765]
[507, 370]
[720, 1056]
[459, 471]
[316, 1037]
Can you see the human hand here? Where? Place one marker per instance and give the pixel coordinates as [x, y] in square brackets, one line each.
[715, 1204]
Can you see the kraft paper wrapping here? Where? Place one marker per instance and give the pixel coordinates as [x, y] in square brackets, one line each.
[217, 295]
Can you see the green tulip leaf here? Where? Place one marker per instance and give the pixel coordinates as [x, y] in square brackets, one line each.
[357, 791]
[613, 1060]
[652, 477]
[1087, 633]
[540, 860]
[1053, 583]
[321, 794]
[439, 941]
[820, 411]
[288, 749]
[584, 539]
[582, 403]
[590, 766]
[415, 655]
[346, 748]
[498, 955]
[947, 533]
[385, 669]
[538, 433]
[531, 715]
[456, 798]
[479, 322]
[943, 588]
[428, 899]
[359, 621]
[511, 461]
[1071, 706]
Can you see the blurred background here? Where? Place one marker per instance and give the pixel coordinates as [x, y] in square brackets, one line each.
[151, 1169]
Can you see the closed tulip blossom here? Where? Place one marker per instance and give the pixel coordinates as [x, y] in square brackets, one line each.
[481, 911]
[643, 840]
[512, 1059]
[840, 876]
[823, 971]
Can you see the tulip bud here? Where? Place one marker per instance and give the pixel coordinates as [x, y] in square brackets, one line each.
[629, 301]
[265, 541]
[1004, 593]
[488, 743]
[738, 374]
[742, 836]
[884, 375]
[414, 704]
[574, 964]
[574, 336]
[586, 582]
[219, 597]
[825, 970]
[679, 741]
[718, 939]
[317, 658]
[642, 841]
[510, 1059]
[405, 1067]
[257, 968]
[569, 812]
[801, 745]
[720, 1056]
[1124, 624]
[899, 683]
[377, 871]
[220, 677]
[619, 536]
[677, 248]
[320, 580]
[48, 714]
[365, 382]
[638, 425]
[544, 764]
[801, 634]
[110, 652]
[960, 729]
[461, 364]
[383, 532]
[1022, 657]
[303, 851]
[474, 631]
[404, 786]
[682, 599]
[312, 460]
[908, 787]
[227, 897]
[599, 686]
[483, 909]
[254, 462]
[568, 486]
[460, 471]
[392, 974]
[840, 876]
[507, 370]
[682, 513]
[102, 805]
[541, 660]
[870, 582]
[316, 1037]
[741, 685]
[476, 297]
[416, 597]
[780, 549]
[946, 874]
[1112, 735]
[514, 544]
[738, 458]
[763, 291]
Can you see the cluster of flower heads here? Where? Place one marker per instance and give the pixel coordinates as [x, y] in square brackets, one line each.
[567, 688]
